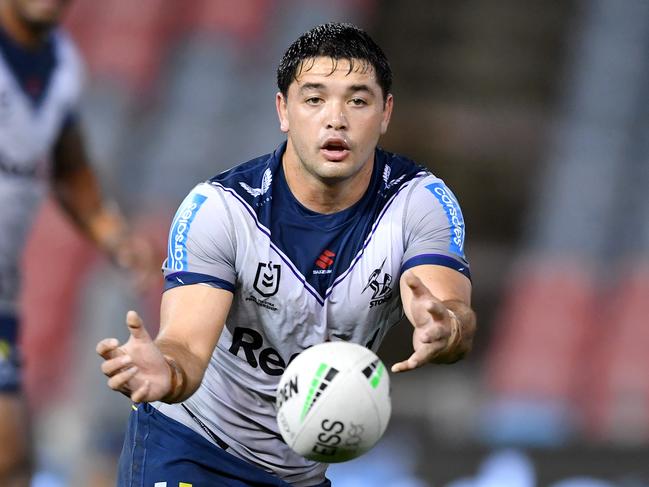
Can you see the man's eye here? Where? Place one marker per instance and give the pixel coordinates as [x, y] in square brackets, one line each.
[314, 100]
[357, 102]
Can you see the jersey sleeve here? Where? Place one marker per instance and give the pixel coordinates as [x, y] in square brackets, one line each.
[74, 73]
[201, 243]
[434, 229]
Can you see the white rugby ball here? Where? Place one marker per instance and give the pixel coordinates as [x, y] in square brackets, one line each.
[333, 402]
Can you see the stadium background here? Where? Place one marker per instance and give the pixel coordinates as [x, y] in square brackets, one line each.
[534, 112]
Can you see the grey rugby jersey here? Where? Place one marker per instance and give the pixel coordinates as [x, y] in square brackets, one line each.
[299, 278]
[35, 102]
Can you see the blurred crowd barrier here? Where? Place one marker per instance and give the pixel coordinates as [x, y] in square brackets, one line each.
[533, 112]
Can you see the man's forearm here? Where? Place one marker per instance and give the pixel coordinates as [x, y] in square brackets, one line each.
[461, 340]
[77, 190]
[186, 370]
[79, 195]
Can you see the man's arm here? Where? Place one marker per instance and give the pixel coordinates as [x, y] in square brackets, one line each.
[76, 189]
[437, 301]
[171, 367]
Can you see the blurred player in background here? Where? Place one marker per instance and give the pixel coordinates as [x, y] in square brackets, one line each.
[326, 238]
[41, 142]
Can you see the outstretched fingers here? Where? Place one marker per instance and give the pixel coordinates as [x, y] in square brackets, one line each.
[108, 348]
[412, 363]
[112, 366]
[136, 326]
[119, 380]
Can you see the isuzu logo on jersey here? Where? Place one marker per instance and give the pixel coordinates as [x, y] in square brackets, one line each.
[267, 279]
[379, 283]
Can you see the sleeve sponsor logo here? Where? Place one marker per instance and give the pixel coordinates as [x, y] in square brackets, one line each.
[177, 247]
[454, 215]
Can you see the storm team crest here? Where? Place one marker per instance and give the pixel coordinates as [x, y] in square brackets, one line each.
[267, 279]
[379, 282]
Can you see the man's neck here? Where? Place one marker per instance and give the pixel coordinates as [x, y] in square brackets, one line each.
[318, 196]
[18, 30]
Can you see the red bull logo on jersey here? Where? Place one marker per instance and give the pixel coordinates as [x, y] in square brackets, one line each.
[177, 249]
[453, 213]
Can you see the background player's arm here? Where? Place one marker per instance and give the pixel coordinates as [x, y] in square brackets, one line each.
[76, 189]
[171, 367]
[437, 301]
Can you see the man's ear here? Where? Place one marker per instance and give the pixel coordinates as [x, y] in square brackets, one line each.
[387, 113]
[280, 104]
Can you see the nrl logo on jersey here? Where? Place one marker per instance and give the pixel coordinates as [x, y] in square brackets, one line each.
[266, 181]
[266, 284]
[379, 282]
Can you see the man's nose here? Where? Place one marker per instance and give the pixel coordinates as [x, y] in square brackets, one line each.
[337, 119]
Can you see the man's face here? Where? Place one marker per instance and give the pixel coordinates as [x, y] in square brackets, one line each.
[334, 119]
[40, 14]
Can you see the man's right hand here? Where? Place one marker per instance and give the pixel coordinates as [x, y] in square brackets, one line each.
[137, 368]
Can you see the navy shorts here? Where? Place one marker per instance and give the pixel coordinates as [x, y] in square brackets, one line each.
[9, 355]
[161, 452]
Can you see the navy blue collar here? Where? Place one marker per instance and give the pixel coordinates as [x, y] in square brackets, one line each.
[31, 68]
[330, 218]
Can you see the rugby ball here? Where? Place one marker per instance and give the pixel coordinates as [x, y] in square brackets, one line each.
[333, 402]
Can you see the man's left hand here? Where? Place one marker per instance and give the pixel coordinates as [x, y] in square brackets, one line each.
[437, 330]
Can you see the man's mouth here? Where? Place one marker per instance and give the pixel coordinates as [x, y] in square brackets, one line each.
[335, 149]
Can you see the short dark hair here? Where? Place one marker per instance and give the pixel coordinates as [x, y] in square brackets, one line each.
[337, 41]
